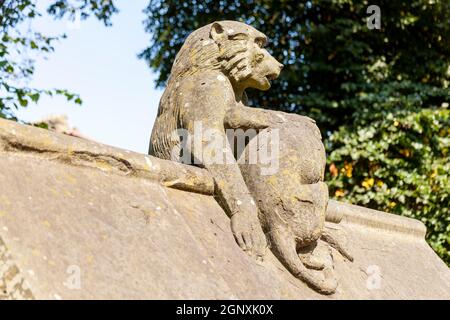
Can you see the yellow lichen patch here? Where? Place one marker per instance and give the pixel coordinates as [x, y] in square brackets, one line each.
[287, 172]
[220, 183]
[5, 200]
[54, 191]
[293, 199]
[273, 181]
[46, 223]
[68, 193]
[90, 259]
[70, 151]
[2, 214]
[103, 165]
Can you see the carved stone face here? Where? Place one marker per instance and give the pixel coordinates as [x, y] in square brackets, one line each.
[248, 63]
[264, 68]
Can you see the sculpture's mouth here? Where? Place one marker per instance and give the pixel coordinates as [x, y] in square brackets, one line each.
[272, 76]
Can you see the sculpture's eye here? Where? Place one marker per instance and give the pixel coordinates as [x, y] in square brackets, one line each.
[238, 36]
[259, 57]
[261, 42]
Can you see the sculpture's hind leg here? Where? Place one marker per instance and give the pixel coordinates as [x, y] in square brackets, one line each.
[284, 248]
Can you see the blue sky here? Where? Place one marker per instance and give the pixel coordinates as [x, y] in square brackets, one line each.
[100, 63]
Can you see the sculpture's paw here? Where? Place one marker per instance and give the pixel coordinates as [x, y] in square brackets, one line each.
[324, 282]
[249, 235]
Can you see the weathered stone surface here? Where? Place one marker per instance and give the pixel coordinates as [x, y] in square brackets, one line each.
[71, 207]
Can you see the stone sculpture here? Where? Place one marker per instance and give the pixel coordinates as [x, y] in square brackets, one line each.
[205, 96]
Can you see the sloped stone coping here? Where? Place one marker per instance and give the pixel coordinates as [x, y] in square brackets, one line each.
[53, 146]
[24, 139]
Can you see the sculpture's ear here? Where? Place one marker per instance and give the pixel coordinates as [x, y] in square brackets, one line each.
[217, 32]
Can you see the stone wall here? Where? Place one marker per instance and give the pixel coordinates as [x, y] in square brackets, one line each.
[81, 220]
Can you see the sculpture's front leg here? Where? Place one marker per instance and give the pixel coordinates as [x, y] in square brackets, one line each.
[210, 149]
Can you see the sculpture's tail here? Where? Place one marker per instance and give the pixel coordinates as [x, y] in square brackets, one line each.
[332, 241]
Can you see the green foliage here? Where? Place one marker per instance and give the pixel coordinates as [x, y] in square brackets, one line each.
[397, 160]
[379, 96]
[325, 45]
[18, 47]
[102, 9]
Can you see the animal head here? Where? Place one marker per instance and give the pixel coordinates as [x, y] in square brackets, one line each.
[235, 48]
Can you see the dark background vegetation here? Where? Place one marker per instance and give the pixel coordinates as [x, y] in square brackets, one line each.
[380, 97]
